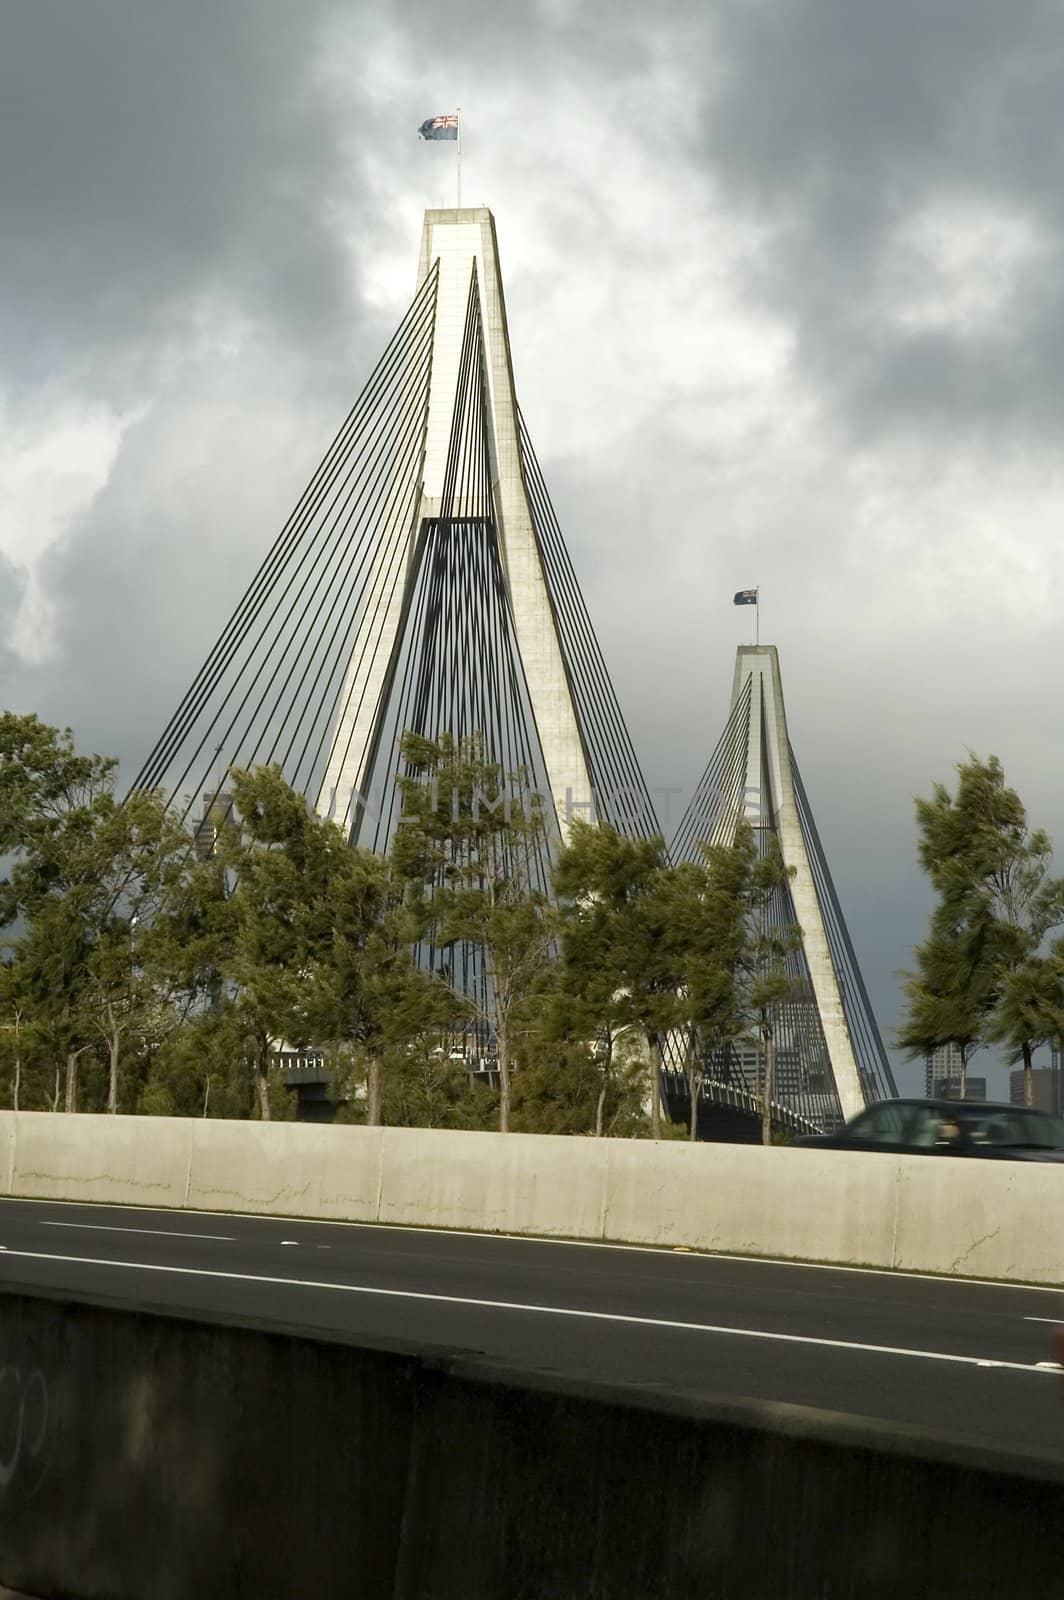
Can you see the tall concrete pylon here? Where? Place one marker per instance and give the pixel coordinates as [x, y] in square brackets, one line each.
[462, 247]
[421, 585]
[830, 1056]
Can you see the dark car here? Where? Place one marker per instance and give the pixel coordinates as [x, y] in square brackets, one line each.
[949, 1128]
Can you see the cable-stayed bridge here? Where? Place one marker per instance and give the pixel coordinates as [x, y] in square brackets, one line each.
[422, 585]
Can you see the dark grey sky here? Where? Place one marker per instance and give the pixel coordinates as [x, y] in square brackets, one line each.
[785, 296]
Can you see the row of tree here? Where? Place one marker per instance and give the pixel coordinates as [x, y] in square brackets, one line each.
[153, 966]
[990, 970]
[149, 965]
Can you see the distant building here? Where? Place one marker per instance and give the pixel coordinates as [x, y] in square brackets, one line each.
[1048, 1094]
[950, 1089]
[946, 1066]
[788, 1074]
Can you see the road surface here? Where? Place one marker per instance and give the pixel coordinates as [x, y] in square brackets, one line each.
[971, 1360]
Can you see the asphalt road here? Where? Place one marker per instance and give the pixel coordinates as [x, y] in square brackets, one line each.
[970, 1360]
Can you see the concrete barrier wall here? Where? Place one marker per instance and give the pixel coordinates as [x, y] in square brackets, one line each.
[156, 1458]
[978, 1218]
[140, 1161]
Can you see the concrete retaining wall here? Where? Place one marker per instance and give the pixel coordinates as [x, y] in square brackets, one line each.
[154, 1458]
[923, 1214]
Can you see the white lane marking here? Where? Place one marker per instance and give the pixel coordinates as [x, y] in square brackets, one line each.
[1057, 1321]
[697, 1255]
[547, 1311]
[160, 1233]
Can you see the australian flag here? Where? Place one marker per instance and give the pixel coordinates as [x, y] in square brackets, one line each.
[439, 128]
[745, 597]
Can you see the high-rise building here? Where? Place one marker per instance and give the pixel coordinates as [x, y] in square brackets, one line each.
[1047, 1087]
[945, 1064]
[950, 1089]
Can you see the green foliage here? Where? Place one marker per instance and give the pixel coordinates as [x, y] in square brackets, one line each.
[682, 951]
[83, 872]
[204, 1067]
[425, 1089]
[146, 968]
[742, 967]
[468, 846]
[564, 1090]
[622, 956]
[982, 973]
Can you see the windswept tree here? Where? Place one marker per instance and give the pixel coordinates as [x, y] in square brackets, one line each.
[471, 843]
[736, 966]
[770, 983]
[84, 869]
[954, 988]
[367, 991]
[585, 1011]
[982, 973]
[625, 915]
[284, 864]
[1030, 1010]
[16, 1022]
[321, 939]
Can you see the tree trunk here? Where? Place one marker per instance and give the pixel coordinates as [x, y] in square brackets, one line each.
[655, 1085]
[113, 1047]
[504, 1077]
[72, 1080]
[600, 1108]
[262, 1074]
[18, 1059]
[1028, 1075]
[770, 1087]
[693, 1084]
[55, 1097]
[604, 1087]
[373, 1093]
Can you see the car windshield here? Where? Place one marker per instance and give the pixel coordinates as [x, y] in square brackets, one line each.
[1017, 1129]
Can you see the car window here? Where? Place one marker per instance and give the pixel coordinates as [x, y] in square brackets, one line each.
[883, 1124]
[1016, 1129]
[926, 1128]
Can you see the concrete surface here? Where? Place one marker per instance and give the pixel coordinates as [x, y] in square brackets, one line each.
[995, 1219]
[150, 1458]
[540, 1184]
[122, 1160]
[463, 241]
[293, 1169]
[768, 738]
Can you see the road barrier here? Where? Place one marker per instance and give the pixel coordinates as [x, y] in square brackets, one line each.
[952, 1215]
[148, 1457]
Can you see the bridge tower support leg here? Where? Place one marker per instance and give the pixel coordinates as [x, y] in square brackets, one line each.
[829, 1056]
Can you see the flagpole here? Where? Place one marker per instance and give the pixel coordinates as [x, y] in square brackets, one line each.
[459, 158]
[757, 616]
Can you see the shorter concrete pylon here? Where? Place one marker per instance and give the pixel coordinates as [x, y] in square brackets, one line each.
[830, 1059]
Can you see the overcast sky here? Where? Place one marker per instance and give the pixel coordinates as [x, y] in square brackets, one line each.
[786, 301]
